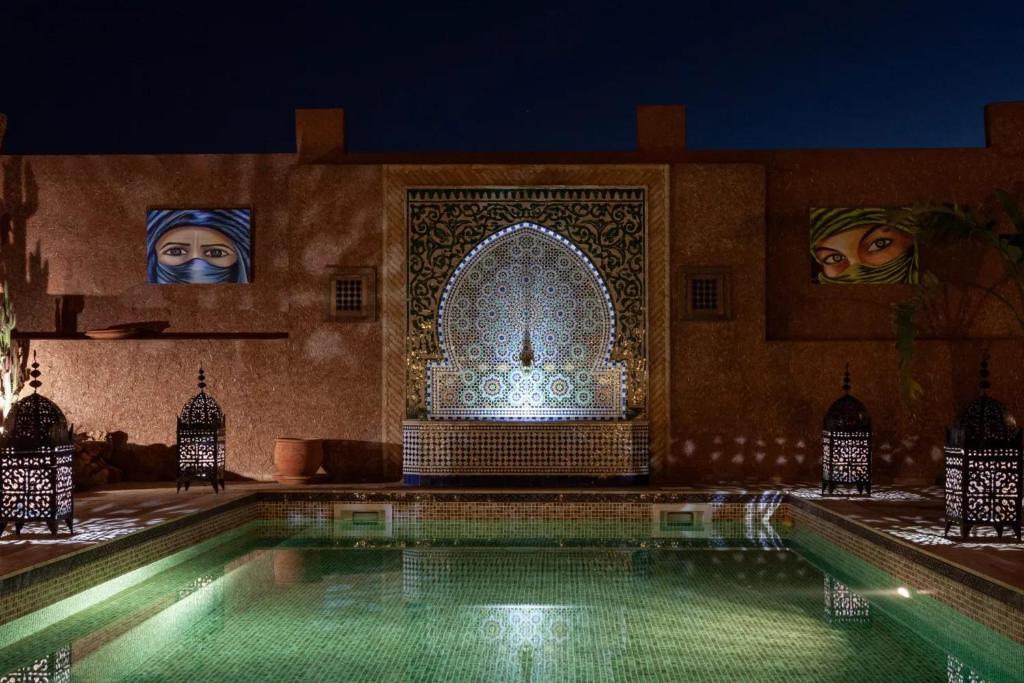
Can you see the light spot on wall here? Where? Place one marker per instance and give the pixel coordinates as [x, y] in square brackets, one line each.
[321, 251]
[306, 295]
[689, 447]
[324, 344]
[280, 260]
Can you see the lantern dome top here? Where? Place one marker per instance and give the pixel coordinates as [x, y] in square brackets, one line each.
[202, 409]
[847, 414]
[984, 421]
[35, 421]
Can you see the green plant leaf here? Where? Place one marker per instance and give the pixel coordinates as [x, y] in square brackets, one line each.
[948, 224]
[1012, 209]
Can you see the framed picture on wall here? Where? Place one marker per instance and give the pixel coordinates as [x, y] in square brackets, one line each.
[198, 246]
[859, 246]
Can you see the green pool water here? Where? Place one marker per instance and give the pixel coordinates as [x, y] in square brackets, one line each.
[310, 604]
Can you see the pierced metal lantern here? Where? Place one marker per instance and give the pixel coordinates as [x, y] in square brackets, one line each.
[984, 466]
[35, 462]
[201, 440]
[846, 444]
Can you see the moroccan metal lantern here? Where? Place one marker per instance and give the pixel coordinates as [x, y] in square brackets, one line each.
[35, 462]
[846, 443]
[201, 440]
[984, 464]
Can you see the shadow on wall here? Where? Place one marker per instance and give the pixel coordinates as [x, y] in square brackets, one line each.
[739, 459]
[103, 458]
[354, 462]
[26, 271]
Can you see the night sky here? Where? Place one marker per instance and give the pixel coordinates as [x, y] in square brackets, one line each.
[144, 76]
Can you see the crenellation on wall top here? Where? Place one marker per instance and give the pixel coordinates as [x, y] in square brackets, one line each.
[1004, 127]
[319, 134]
[661, 128]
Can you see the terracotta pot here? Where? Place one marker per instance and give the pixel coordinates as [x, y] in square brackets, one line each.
[297, 460]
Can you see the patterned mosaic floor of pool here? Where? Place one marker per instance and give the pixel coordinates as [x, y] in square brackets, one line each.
[259, 609]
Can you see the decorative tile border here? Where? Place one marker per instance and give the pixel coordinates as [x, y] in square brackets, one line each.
[417, 495]
[443, 523]
[452, 448]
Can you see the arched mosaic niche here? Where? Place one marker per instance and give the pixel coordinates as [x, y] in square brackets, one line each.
[526, 288]
[443, 225]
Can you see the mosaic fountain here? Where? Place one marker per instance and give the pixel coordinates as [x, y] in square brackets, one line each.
[529, 383]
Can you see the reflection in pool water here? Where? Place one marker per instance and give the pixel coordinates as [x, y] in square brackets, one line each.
[317, 608]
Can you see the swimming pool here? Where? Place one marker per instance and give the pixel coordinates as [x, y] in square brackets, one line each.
[473, 600]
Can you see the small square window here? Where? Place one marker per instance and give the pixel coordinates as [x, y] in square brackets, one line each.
[348, 295]
[706, 293]
[352, 295]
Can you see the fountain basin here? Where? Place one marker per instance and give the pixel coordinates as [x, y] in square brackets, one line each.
[467, 453]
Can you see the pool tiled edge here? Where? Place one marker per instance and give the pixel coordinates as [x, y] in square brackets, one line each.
[993, 604]
[997, 606]
[42, 585]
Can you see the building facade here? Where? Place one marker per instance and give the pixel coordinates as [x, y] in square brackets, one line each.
[725, 331]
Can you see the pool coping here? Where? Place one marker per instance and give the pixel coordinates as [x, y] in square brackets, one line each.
[987, 585]
[55, 567]
[24, 578]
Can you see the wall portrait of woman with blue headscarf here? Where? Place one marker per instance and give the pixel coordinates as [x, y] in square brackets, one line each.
[198, 246]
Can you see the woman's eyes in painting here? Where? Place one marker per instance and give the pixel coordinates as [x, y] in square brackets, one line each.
[215, 252]
[175, 251]
[879, 244]
[833, 259]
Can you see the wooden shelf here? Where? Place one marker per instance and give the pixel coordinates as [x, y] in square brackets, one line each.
[164, 336]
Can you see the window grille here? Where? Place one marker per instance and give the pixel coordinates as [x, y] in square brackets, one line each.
[352, 295]
[706, 293]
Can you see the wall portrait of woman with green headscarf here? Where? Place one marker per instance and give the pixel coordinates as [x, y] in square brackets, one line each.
[858, 246]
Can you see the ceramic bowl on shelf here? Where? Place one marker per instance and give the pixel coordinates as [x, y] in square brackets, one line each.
[128, 330]
[114, 333]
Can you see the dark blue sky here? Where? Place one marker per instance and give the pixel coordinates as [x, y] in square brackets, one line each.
[146, 76]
